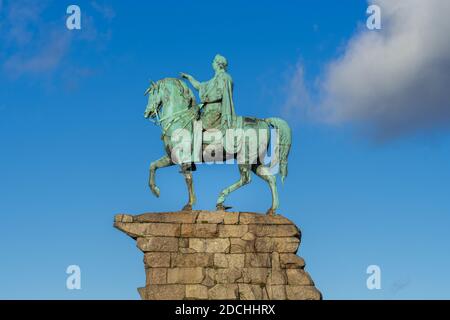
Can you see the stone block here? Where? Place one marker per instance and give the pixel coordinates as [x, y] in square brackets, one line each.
[135, 230]
[276, 277]
[198, 259]
[274, 230]
[302, 293]
[231, 218]
[276, 292]
[298, 277]
[232, 230]
[197, 245]
[223, 292]
[275, 261]
[168, 217]
[230, 260]
[221, 245]
[123, 218]
[157, 259]
[165, 292]
[250, 291]
[158, 244]
[185, 275]
[142, 293]
[162, 229]
[156, 276]
[196, 292]
[291, 261]
[210, 276]
[255, 218]
[228, 275]
[282, 245]
[255, 275]
[219, 255]
[186, 250]
[199, 230]
[214, 245]
[183, 243]
[248, 236]
[211, 217]
[241, 246]
[257, 260]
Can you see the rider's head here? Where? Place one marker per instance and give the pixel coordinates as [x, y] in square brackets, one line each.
[220, 63]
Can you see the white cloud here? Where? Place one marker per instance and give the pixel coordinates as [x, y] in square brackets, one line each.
[297, 94]
[105, 10]
[46, 58]
[394, 81]
[31, 45]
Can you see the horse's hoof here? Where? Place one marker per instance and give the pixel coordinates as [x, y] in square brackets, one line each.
[187, 207]
[221, 207]
[155, 191]
[271, 212]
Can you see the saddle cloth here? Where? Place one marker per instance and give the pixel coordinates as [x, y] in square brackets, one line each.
[230, 141]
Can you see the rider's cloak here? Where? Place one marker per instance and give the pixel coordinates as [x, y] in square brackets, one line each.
[217, 93]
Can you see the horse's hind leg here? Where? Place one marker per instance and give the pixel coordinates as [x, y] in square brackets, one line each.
[187, 173]
[160, 163]
[264, 173]
[245, 178]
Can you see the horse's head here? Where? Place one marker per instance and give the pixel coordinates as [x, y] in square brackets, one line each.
[173, 92]
[154, 100]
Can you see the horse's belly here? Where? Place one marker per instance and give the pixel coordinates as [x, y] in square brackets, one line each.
[216, 152]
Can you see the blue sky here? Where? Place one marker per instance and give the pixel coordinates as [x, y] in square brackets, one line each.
[75, 148]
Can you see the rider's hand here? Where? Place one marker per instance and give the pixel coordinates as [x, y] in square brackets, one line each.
[184, 75]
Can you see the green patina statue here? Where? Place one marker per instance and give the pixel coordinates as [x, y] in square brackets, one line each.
[217, 93]
[211, 132]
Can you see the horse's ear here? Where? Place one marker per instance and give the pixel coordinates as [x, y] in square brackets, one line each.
[150, 87]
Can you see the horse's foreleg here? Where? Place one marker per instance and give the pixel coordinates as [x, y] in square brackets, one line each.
[190, 185]
[160, 163]
[264, 173]
[244, 179]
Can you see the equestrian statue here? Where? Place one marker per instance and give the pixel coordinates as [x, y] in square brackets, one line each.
[211, 132]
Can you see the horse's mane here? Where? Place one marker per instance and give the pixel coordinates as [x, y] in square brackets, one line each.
[182, 87]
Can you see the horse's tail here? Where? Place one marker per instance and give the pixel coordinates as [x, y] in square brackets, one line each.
[283, 144]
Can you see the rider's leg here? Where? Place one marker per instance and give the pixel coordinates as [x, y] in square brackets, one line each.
[160, 163]
[245, 178]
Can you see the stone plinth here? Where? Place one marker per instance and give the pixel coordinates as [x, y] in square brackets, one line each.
[219, 255]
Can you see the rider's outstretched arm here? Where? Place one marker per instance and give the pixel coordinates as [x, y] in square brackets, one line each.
[195, 83]
[191, 79]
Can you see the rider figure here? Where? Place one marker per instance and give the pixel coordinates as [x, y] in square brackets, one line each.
[216, 96]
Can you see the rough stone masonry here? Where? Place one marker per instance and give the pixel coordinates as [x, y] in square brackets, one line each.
[219, 255]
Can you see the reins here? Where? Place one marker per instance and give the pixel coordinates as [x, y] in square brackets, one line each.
[173, 118]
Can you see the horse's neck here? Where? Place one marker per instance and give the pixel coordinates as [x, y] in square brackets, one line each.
[172, 108]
